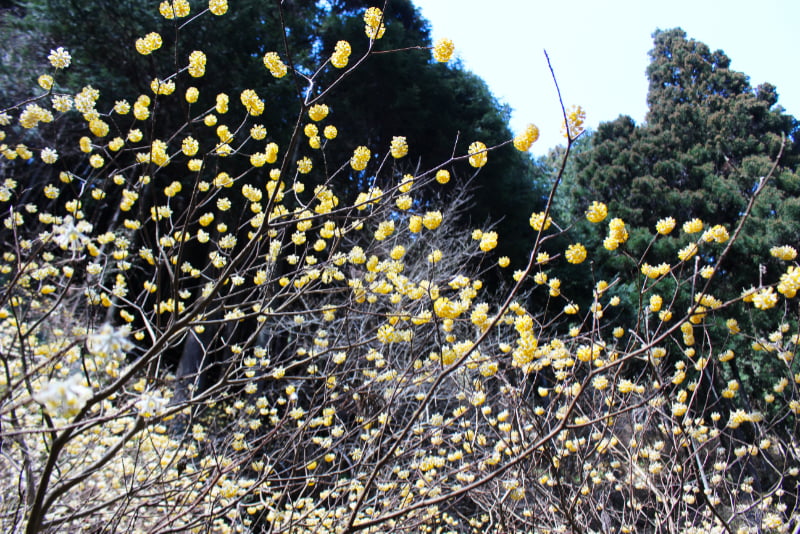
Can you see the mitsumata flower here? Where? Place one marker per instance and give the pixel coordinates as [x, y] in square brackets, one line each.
[574, 125]
[478, 154]
[218, 7]
[597, 212]
[665, 226]
[149, 43]
[443, 50]
[341, 55]
[360, 158]
[197, 64]
[575, 253]
[525, 139]
[64, 398]
[59, 58]
[373, 18]
[399, 147]
[318, 112]
[274, 64]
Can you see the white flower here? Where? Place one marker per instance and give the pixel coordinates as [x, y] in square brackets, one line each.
[109, 342]
[64, 398]
[49, 155]
[151, 404]
[69, 235]
[59, 58]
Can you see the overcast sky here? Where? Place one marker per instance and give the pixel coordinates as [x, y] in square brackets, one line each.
[599, 50]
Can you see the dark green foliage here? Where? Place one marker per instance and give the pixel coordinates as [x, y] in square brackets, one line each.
[708, 140]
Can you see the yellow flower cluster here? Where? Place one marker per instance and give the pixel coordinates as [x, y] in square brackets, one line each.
[162, 87]
[789, 284]
[252, 103]
[360, 158]
[197, 64]
[525, 139]
[538, 222]
[654, 272]
[432, 219]
[221, 106]
[597, 212]
[785, 252]
[442, 176]
[687, 252]
[399, 147]
[176, 8]
[98, 128]
[665, 226]
[737, 417]
[49, 155]
[575, 253]
[158, 153]
[59, 58]
[574, 124]
[478, 155]
[693, 226]
[488, 241]
[45, 81]
[765, 298]
[149, 43]
[341, 55]
[304, 166]
[218, 7]
[318, 112]
[443, 50]
[190, 146]
[617, 234]
[192, 94]
[33, 114]
[717, 234]
[373, 17]
[274, 64]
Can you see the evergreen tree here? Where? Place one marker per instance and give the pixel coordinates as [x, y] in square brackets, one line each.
[708, 141]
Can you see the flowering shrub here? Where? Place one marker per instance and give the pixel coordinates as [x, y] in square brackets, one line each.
[242, 351]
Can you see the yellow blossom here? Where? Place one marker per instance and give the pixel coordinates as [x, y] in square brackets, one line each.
[373, 18]
[443, 50]
[274, 64]
[525, 139]
[59, 58]
[399, 147]
[597, 212]
[538, 222]
[665, 226]
[574, 124]
[192, 94]
[360, 158]
[218, 7]
[785, 253]
[693, 226]
[341, 55]
[318, 112]
[575, 253]
[478, 155]
[304, 166]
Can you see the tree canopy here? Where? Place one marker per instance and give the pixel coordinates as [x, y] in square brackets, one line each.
[708, 139]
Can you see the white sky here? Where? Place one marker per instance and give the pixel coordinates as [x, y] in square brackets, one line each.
[599, 50]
